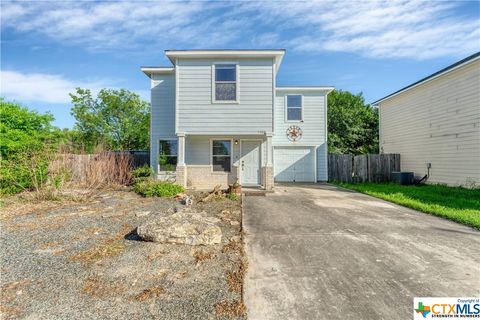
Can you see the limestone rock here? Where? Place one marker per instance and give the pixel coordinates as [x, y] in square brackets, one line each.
[142, 213]
[183, 227]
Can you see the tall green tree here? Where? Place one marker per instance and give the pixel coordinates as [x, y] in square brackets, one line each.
[27, 139]
[115, 119]
[352, 124]
[23, 129]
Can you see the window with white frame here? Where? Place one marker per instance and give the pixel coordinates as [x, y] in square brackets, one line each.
[221, 155]
[294, 107]
[167, 155]
[225, 82]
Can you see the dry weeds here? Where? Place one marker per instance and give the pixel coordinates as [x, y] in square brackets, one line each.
[201, 255]
[233, 308]
[150, 293]
[155, 255]
[7, 312]
[235, 278]
[49, 245]
[98, 288]
[9, 290]
[233, 246]
[109, 249]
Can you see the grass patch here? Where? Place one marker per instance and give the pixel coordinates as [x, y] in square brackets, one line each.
[152, 188]
[232, 196]
[110, 249]
[455, 203]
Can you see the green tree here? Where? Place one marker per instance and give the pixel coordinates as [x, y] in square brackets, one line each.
[352, 124]
[22, 129]
[28, 140]
[116, 119]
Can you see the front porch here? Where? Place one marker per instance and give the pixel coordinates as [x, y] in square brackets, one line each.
[205, 161]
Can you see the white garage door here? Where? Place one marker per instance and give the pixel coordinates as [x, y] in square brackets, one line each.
[294, 164]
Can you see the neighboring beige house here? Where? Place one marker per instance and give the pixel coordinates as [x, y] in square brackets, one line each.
[435, 123]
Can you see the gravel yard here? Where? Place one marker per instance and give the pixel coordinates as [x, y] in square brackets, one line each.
[83, 260]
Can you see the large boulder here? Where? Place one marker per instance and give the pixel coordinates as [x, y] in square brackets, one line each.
[184, 227]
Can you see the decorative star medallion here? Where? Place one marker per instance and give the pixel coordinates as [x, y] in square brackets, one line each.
[294, 133]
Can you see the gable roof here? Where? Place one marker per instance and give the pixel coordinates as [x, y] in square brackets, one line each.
[450, 68]
[277, 54]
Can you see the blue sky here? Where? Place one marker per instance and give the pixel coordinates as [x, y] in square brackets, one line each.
[376, 47]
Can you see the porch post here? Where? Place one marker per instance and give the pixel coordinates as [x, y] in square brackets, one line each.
[181, 150]
[269, 152]
[268, 169]
[181, 172]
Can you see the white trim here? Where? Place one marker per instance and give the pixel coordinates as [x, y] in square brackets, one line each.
[425, 81]
[210, 133]
[152, 138]
[211, 154]
[237, 83]
[259, 160]
[177, 82]
[325, 123]
[286, 108]
[274, 84]
[316, 156]
[306, 89]
[283, 145]
[149, 71]
[277, 54]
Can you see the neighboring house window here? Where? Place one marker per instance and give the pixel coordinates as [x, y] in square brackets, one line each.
[221, 155]
[167, 156]
[225, 82]
[294, 108]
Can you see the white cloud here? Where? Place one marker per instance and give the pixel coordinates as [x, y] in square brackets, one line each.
[385, 29]
[41, 87]
[391, 29]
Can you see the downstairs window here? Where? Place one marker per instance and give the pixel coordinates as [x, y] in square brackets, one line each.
[167, 155]
[221, 155]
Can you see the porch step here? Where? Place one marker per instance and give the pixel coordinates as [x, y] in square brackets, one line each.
[251, 191]
[259, 193]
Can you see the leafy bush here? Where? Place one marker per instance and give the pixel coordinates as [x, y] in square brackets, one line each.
[24, 130]
[26, 170]
[142, 172]
[232, 196]
[27, 145]
[152, 188]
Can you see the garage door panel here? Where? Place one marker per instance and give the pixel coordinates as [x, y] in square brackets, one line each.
[294, 164]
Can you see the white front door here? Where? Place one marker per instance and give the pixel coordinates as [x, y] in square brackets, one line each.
[250, 162]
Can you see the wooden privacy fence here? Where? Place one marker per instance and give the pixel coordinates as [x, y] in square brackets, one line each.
[100, 168]
[362, 168]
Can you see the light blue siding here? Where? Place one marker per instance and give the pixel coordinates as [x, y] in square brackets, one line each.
[252, 115]
[322, 158]
[197, 149]
[313, 126]
[163, 113]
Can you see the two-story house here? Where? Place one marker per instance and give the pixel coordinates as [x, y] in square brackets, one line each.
[219, 117]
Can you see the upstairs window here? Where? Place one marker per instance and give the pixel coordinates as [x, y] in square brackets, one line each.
[225, 82]
[167, 155]
[221, 155]
[294, 108]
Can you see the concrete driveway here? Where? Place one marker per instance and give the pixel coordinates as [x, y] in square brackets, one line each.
[320, 252]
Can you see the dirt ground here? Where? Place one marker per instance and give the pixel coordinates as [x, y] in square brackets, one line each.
[83, 260]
